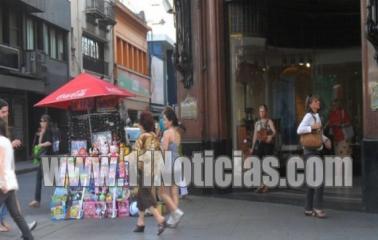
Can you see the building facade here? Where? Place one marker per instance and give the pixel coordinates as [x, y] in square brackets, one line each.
[131, 59]
[34, 61]
[234, 55]
[91, 38]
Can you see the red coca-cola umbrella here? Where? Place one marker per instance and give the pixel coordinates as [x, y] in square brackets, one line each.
[83, 86]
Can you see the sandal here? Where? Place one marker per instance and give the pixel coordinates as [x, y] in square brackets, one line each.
[262, 189]
[319, 213]
[4, 228]
[161, 227]
[138, 229]
[34, 204]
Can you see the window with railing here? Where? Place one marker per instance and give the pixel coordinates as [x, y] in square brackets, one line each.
[93, 55]
[47, 38]
[131, 57]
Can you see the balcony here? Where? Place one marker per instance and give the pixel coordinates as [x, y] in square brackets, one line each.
[109, 17]
[35, 63]
[9, 58]
[34, 5]
[95, 8]
[95, 65]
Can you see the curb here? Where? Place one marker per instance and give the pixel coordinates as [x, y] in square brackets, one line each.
[26, 170]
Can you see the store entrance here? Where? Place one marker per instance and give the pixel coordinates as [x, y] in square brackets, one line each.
[285, 53]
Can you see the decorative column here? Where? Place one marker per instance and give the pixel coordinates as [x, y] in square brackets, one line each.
[369, 148]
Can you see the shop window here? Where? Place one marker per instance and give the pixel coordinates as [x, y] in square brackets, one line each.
[14, 28]
[52, 43]
[39, 36]
[45, 34]
[92, 48]
[10, 26]
[29, 34]
[60, 44]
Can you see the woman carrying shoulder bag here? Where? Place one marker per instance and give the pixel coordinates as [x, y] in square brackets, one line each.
[313, 140]
[263, 136]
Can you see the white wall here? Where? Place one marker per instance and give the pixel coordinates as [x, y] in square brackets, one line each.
[154, 12]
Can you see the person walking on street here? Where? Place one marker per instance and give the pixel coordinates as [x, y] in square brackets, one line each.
[9, 184]
[147, 141]
[171, 141]
[16, 143]
[311, 123]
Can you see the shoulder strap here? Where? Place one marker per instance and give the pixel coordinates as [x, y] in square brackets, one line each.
[267, 124]
[313, 117]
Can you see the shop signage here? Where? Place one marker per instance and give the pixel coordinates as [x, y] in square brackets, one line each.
[189, 108]
[134, 83]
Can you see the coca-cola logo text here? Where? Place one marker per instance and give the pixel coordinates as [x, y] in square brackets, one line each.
[74, 95]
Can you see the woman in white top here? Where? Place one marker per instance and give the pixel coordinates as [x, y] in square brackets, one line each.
[8, 182]
[312, 122]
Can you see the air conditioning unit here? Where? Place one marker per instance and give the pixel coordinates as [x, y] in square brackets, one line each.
[9, 58]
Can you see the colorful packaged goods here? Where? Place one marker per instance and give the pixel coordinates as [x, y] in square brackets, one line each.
[58, 204]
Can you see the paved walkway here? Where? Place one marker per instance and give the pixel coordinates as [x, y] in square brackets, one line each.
[206, 218]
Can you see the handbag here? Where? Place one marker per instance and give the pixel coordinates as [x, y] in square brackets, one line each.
[263, 133]
[312, 140]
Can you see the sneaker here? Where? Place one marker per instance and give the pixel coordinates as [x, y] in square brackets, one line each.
[32, 225]
[170, 221]
[177, 216]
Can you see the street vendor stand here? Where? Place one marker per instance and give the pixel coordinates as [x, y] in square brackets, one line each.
[95, 123]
